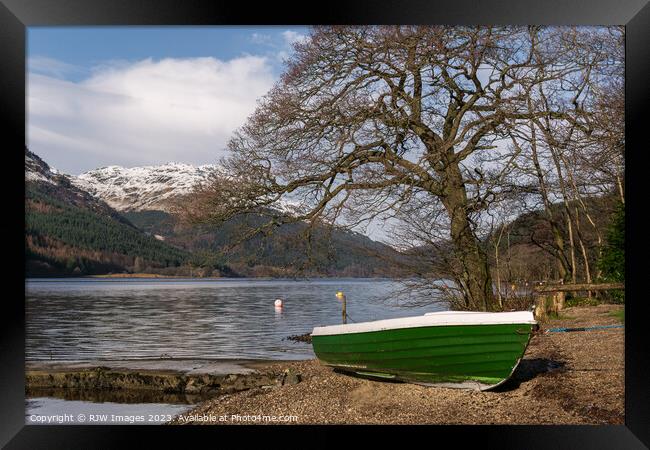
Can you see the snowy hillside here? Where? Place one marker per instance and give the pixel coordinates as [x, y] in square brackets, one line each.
[143, 188]
[148, 188]
[38, 170]
[152, 187]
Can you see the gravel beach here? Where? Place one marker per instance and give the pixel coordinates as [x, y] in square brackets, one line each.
[564, 378]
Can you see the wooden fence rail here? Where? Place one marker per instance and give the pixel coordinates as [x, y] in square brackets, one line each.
[551, 297]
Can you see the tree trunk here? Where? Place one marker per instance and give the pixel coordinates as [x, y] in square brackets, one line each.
[498, 269]
[473, 271]
[563, 264]
[585, 210]
[496, 261]
[583, 250]
[619, 182]
[572, 250]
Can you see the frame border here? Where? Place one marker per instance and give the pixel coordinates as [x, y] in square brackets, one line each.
[16, 15]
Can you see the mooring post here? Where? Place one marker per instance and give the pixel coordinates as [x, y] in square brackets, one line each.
[341, 296]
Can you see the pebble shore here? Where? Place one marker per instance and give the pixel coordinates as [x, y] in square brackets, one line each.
[564, 378]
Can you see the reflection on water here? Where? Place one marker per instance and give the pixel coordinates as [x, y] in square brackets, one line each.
[54, 411]
[128, 396]
[79, 319]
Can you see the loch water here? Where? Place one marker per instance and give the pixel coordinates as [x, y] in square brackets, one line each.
[84, 319]
[94, 319]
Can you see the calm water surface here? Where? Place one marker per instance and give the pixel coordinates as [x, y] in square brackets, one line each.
[88, 319]
[56, 411]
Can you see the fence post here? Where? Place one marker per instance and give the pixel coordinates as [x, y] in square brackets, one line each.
[540, 307]
[552, 297]
[559, 301]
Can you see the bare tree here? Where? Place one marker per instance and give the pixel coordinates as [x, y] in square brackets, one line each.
[555, 150]
[402, 122]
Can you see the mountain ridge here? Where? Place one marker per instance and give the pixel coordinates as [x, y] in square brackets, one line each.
[68, 231]
[145, 187]
[139, 198]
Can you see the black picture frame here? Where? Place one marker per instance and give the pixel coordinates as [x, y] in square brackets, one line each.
[16, 15]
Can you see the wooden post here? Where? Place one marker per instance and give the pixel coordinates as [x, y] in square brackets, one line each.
[540, 307]
[559, 301]
[341, 296]
[552, 297]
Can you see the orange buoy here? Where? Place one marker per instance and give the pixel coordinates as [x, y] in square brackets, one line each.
[278, 303]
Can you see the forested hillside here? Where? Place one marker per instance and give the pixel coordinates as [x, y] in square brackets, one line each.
[70, 232]
[285, 252]
[62, 238]
[525, 248]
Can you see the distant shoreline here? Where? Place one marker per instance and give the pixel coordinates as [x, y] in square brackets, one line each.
[153, 275]
[131, 275]
[177, 277]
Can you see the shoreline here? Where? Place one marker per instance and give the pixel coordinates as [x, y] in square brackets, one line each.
[564, 378]
[177, 277]
[169, 376]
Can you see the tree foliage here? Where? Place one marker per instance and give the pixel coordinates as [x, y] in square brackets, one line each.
[612, 261]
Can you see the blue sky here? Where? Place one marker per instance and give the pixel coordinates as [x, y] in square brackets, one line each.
[86, 47]
[133, 96]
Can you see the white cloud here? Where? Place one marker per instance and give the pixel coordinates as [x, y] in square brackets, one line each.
[51, 66]
[291, 37]
[278, 47]
[144, 113]
[261, 38]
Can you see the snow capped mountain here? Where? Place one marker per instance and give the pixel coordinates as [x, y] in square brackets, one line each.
[143, 188]
[152, 187]
[47, 180]
[135, 188]
[38, 170]
[75, 228]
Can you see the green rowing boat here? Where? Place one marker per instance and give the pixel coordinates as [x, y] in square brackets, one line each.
[448, 348]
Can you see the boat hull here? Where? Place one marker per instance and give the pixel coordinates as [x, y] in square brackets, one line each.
[463, 356]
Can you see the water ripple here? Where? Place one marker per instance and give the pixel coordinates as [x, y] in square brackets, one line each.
[126, 319]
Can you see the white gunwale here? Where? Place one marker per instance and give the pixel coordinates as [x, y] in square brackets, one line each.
[436, 319]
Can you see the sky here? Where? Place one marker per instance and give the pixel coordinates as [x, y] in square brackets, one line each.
[134, 96]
